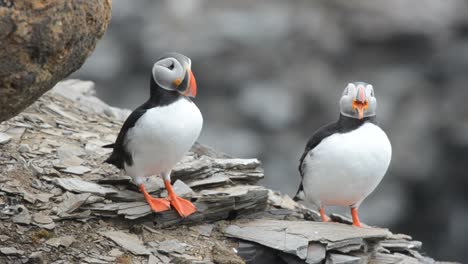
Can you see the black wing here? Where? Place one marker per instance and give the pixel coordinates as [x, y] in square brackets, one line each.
[120, 155]
[318, 136]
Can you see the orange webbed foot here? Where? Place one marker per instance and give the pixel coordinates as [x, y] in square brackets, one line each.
[156, 204]
[183, 207]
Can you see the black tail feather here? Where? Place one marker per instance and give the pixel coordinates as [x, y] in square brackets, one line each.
[109, 145]
[299, 194]
[114, 161]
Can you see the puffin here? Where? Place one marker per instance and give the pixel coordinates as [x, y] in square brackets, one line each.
[159, 133]
[344, 161]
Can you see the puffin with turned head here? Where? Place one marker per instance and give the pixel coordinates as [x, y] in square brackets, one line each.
[344, 161]
[158, 133]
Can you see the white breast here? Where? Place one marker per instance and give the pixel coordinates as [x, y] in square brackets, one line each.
[162, 136]
[345, 168]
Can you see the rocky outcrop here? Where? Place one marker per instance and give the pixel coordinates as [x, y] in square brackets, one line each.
[42, 42]
[59, 203]
[270, 73]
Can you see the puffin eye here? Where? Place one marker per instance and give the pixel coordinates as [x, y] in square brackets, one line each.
[171, 66]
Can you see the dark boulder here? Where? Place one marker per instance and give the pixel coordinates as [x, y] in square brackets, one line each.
[42, 42]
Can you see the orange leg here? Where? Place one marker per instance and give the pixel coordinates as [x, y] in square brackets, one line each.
[182, 206]
[156, 204]
[323, 215]
[354, 214]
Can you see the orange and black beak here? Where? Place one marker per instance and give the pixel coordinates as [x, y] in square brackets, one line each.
[188, 86]
[192, 85]
[360, 103]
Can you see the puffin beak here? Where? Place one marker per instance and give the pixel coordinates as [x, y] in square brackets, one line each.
[192, 87]
[360, 103]
[361, 94]
[360, 109]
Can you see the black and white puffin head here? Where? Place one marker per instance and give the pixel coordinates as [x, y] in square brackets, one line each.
[173, 72]
[358, 100]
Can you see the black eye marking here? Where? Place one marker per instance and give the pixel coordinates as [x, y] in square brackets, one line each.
[345, 92]
[171, 66]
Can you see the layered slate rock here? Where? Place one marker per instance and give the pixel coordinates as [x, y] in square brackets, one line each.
[42, 42]
[59, 203]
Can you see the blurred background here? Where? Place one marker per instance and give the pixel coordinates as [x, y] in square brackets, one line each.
[271, 72]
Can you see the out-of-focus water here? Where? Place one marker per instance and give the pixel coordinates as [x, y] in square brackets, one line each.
[271, 72]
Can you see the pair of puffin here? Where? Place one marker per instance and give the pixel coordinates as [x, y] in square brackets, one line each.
[343, 162]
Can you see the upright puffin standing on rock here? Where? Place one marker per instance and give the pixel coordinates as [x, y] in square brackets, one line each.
[344, 161]
[158, 133]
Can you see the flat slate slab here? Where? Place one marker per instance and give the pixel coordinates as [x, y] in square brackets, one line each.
[293, 237]
[127, 241]
[80, 186]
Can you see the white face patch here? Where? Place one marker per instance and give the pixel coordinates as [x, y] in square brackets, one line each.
[168, 72]
[352, 89]
[369, 90]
